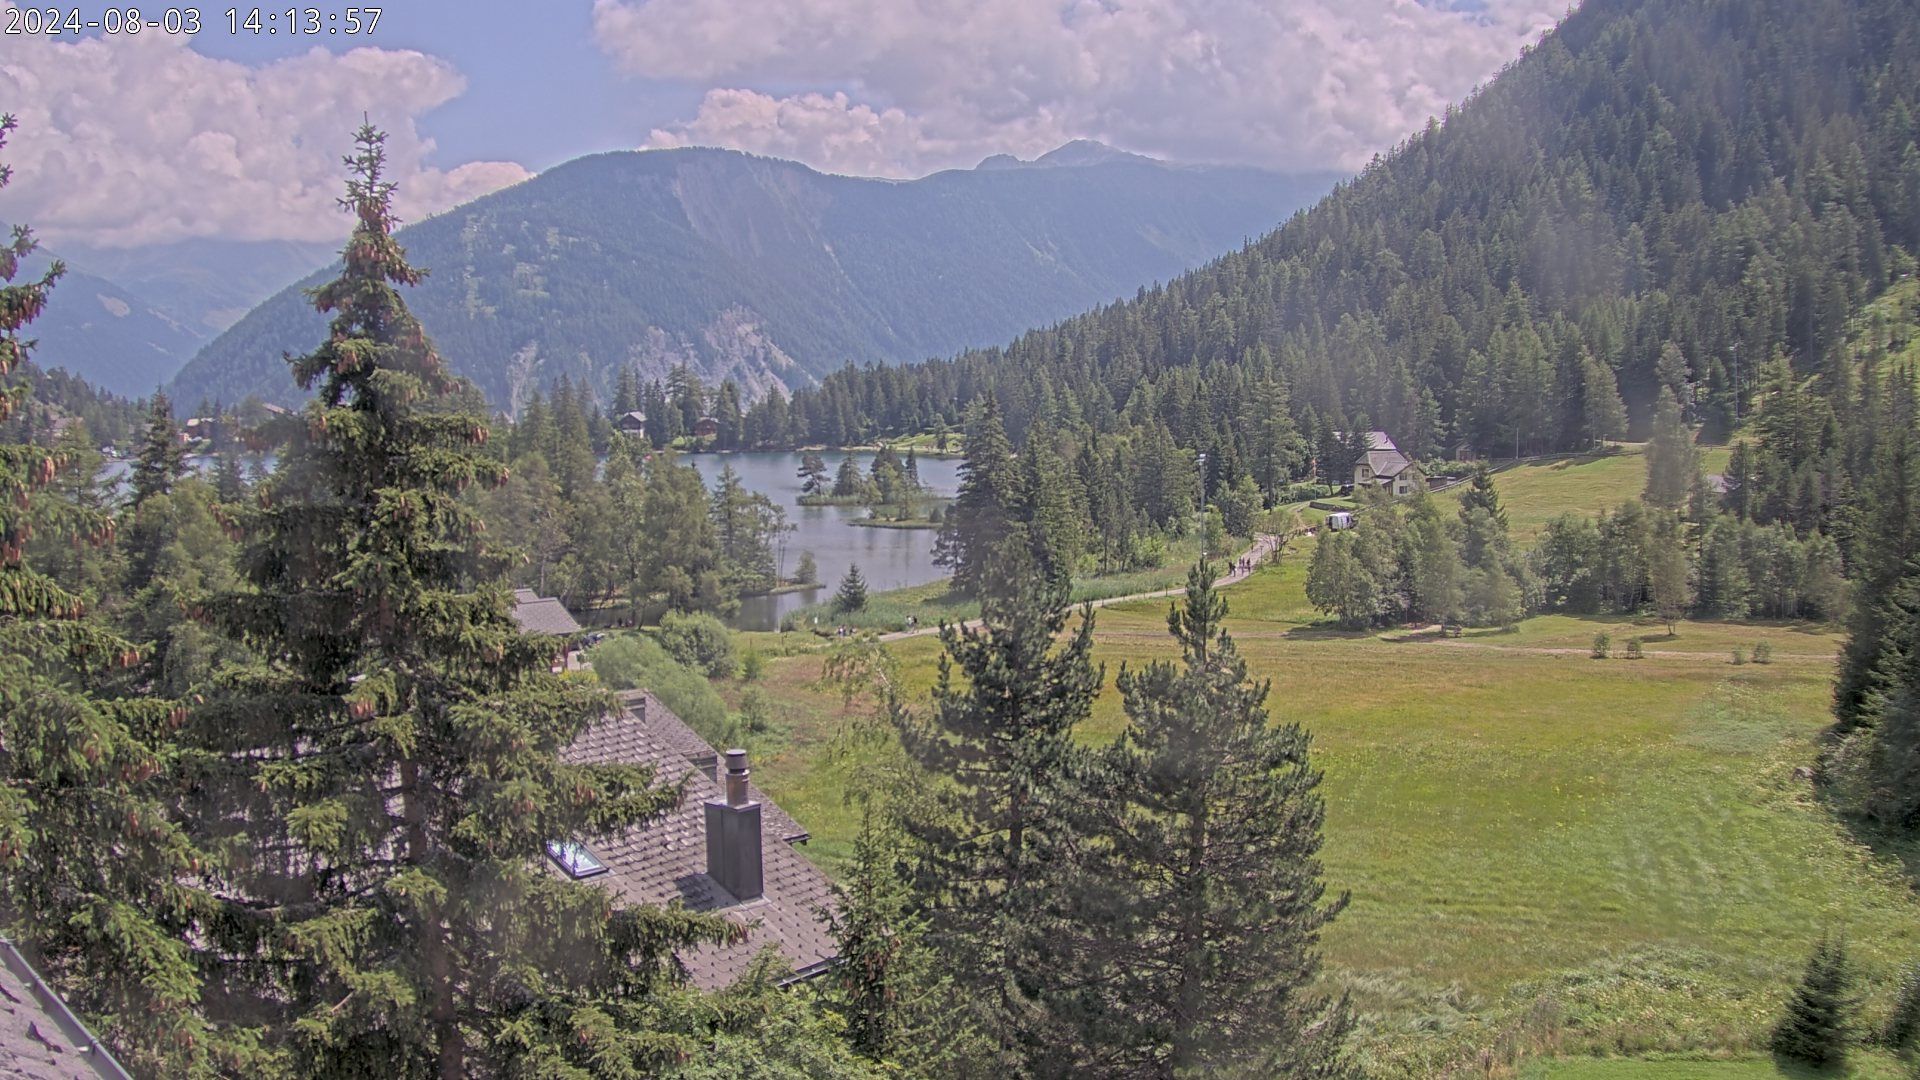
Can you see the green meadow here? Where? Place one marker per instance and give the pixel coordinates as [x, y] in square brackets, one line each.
[1559, 866]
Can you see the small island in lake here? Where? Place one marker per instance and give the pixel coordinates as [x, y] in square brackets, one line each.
[890, 488]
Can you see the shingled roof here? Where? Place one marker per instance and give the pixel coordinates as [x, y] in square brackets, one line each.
[666, 861]
[40, 1038]
[538, 614]
[1383, 457]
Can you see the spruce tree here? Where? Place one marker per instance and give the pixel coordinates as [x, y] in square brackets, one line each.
[383, 780]
[1817, 1024]
[1005, 704]
[1198, 901]
[162, 459]
[95, 877]
[852, 596]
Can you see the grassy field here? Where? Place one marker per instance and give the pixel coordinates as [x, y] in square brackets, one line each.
[1536, 492]
[1557, 864]
[1862, 1067]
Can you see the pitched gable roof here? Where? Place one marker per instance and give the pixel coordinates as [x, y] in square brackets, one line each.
[40, 1038]
[666, 861]
[1383, 457]
[538, 614]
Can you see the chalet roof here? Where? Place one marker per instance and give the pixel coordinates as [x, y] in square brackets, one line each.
[636, 418]
[1383, 457]
[40, 1038]
[538, 614]
[665, 861]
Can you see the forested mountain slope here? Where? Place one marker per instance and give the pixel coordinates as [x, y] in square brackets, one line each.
[1662, 193]
[111, 337]
[770, 273]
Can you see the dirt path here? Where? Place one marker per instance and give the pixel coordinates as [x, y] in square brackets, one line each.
[1262, 550]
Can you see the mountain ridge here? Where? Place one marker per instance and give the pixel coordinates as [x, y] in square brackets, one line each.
[772, 273]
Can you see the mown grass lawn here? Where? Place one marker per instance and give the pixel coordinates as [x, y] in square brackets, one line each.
[1551, 858]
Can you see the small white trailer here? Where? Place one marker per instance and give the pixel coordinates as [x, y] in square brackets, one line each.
[1340, 520]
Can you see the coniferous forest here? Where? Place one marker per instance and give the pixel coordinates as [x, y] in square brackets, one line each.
[280, 775]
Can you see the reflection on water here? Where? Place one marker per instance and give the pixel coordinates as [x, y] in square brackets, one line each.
[888, 558]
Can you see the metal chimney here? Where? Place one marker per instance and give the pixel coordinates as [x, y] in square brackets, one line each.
[733, 834]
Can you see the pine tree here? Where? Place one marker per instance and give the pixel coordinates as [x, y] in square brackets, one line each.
[812, 474]
[94, 875]
[1199, 901]
[1005, 704]
[162, 458]
[384, 779]
[1817, 1024]
[853, 592]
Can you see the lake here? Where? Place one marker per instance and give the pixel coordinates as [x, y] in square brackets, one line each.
[888, 558]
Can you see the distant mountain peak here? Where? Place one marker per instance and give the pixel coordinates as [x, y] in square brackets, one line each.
[1079, 153]
[1088, 152]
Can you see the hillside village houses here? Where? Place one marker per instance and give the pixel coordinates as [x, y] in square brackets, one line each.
[1383, 465]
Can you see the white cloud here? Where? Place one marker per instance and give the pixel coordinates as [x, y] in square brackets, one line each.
[900, 87]
[141, 140]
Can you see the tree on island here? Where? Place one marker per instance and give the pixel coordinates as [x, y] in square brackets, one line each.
[808, 572]
[847, 481]
[853, 592]
[813, 474]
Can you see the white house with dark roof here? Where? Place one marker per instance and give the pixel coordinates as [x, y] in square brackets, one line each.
[1383, 465]
[727, 849]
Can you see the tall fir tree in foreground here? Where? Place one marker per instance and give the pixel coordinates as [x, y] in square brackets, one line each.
[1198, 902]
[94, 876]
[1004, 708]
[381, 783]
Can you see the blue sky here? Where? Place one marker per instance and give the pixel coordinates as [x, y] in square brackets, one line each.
[143, 140]
[539, 91]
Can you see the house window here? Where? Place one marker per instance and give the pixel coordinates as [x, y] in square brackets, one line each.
[575, 859]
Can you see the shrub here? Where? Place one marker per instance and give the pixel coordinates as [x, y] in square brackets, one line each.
[1602, 646]
[1763, 653]
[753, 714]
[1633, 649]
[1739, 655]
[701, 642]
[753, 664]
[630, 662]
[1814, 1028]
